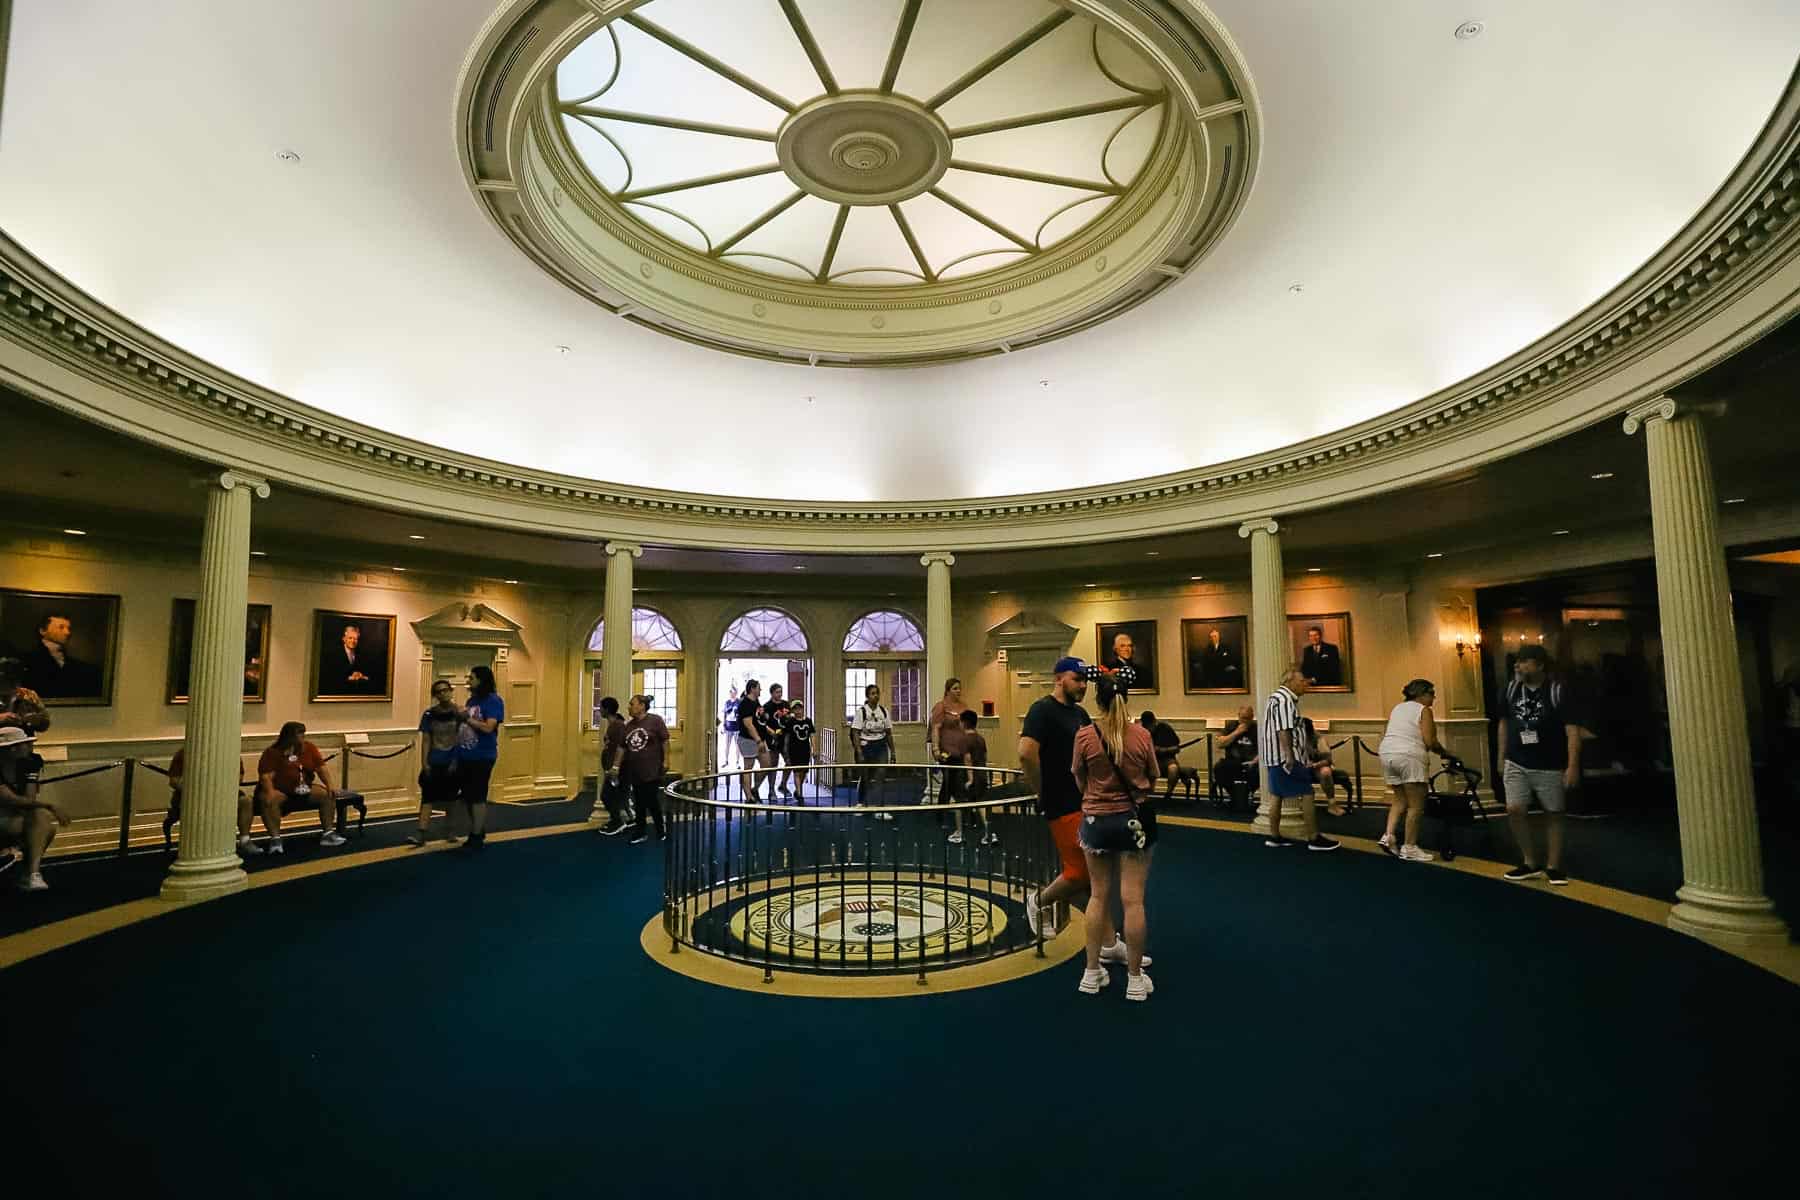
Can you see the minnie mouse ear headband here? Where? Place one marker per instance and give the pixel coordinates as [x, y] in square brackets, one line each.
[1118, 679]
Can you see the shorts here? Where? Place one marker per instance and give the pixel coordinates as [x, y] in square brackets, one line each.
[1403, 768]
[1117, 833]
[1065, 831]
[1285, 784]
[749, 748]
[437, 784]
[472, 780]
[1522, 783]
[801, 758]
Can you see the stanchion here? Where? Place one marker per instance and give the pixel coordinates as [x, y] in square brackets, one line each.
[125, 808]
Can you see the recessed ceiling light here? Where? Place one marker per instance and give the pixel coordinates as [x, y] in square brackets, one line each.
[1043, 383]
[400, 569]
[1296, 288]
[799, 566]
[1558, 532]
[1435, 554]
[1601, 475]
[562, 349]
[1737, 500]
[288, 156]
[1153, 553]
[1314, 570]
[1470, 30]
[1090, 585]
[259, 554]
[76, 532]
[509, 581]
[1196, 577]
[809, 399]
[417, 537]
[995, 592]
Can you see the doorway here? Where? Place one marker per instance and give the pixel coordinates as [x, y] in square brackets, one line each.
[793, 674]
[453, 663]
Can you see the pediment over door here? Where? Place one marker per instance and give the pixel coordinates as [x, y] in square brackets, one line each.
[1029, 630]
[459, 624]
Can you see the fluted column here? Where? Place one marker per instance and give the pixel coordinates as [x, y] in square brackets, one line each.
[207, 864]
[940, 661]
[615, 648]
[1269, 652]
[1721, 853]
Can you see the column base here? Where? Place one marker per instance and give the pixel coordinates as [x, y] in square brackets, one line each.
[1292, 823]
[204, 879]
[1727, 920]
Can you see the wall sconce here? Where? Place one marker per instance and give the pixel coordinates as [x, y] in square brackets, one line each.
[1468, 643]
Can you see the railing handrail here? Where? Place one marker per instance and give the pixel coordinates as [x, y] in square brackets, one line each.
[674, 791]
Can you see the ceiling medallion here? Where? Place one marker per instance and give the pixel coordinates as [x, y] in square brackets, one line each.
[1073, 160]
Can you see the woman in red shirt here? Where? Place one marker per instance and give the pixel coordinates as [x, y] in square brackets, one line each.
[1115, 768]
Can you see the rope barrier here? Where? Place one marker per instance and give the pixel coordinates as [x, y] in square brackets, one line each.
[398, 751]
[94, 770]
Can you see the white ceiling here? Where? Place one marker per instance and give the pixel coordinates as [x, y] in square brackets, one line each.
[1443, 202]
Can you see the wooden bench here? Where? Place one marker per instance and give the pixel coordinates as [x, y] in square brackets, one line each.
[343, 798]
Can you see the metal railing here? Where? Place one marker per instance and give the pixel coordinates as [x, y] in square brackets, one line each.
[856, 873]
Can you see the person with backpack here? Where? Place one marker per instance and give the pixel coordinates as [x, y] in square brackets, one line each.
[1541, 751]
[1115, 768]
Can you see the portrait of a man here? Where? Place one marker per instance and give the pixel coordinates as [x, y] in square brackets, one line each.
[1118, 643]
[1321, 645]
[1215, 651]
[181, 653]
[64, 642]
[354, 656]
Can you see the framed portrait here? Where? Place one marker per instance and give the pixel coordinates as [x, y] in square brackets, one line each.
[352, 656]
[1216, 654]
[1321, 645]
[256, 653]
[66, 641]
[1116, 642]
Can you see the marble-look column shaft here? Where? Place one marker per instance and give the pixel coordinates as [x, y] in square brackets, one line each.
[940, 659]
[1721, 897]
[207, 864]
[615, 646]
[1269, 650]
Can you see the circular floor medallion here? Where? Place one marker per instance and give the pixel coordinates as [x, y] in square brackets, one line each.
[860, 922]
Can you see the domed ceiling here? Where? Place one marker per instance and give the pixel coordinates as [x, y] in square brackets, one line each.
[565, 271]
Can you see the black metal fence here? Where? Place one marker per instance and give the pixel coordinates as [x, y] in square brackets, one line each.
[866, 869]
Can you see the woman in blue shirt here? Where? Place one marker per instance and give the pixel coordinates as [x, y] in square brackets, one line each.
[479, 750]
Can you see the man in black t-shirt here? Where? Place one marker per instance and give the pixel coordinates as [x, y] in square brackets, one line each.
[1540, 742]
[796, 747]
[1047, 755]
[1167, 744]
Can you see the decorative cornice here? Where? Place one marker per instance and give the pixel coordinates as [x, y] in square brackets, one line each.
[1747, 236]
[1268, 525]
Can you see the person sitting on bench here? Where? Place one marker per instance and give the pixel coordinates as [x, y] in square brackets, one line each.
[27, 820]
[292, 772]
[178, 788]
[1319, 759]
[1238, 762]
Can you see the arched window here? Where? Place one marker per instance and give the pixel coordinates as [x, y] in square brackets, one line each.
[764, 629]
[650, 632]
[883, 632]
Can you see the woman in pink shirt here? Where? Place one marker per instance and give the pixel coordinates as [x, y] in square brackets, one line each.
[1115, 768]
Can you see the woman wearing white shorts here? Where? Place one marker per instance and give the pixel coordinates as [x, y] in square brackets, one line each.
[1411, 733]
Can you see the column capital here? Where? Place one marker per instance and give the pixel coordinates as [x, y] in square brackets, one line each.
[231, 479]
[1668, 408]
[1261, 524]
[631, 548]
[937, 556]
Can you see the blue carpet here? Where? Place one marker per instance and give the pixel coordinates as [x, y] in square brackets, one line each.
[1323, 1024]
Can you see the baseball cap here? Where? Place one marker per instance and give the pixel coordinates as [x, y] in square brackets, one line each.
[1068, 663]
[12, 735]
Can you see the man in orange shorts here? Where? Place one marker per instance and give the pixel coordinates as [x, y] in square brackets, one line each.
[1047, 755]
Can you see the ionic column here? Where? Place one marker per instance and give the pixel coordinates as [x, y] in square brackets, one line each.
[1269, 652]
[1721, 853]
[615, 648]
[207, 864]
[940, 662]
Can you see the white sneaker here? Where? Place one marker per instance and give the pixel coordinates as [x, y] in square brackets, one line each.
[333, 838]
[33, 882]
[1386, 842]
[989, 838]
[248, 848]
[1414, 854]
[955, 839]
[1139, 987]
[1119, 952]
[275, 846]
[884, 816]
[1092, 981]
[1034, 915]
